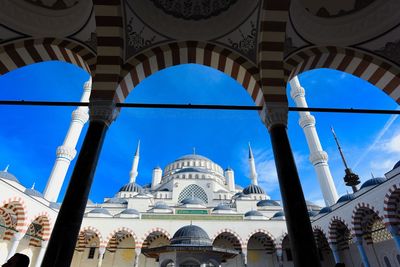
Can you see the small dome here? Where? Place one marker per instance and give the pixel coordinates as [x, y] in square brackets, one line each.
[8, 176]
[325, 210]
[312, 213]
[192, 201]
[33, 192]
[222, 207]
[193, 156]
[116, 201]
[267, 202]
[161, 205]
[279, 214]
[100, 211]
[130, 211]
[253, 213]
[345, 198]
[373, 182]
[191, 235]
[396, 165]
[164, 190]
[131, 187]
[253, 189]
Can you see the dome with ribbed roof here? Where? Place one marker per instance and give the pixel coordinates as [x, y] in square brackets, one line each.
[253, 213]
[191, 235]
[193, 157]
[267, 202]
[192, 201]
[100, 211]
[131, 187]
[280, 215]
[345, 198]
[325, 210]
[373, 182]
[192, 169]
[115, 200]
[161, 205]
[253, 189]
[222, 207]
[129, 213]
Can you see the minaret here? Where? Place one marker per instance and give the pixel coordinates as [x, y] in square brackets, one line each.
[318, 157]
[134, 171]
[350, 178]
[66, 153]
[252, 165]
[230, 179]
[156, 177]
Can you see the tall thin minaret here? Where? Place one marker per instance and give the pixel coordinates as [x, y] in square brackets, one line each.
[350, 178]
[66, 153]
[252, 165]
[318, 157]
[134, 171]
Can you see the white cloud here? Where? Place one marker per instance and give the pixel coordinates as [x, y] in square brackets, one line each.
[392, 144]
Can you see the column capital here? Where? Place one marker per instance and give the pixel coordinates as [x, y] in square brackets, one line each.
[66, 152]
[102, 250]
[358, 240]
[296, 89]
[306, 120]
[17, 236]
[138, 251]
[318, 157]
[275, 114]
[103, 110]
[80, 115]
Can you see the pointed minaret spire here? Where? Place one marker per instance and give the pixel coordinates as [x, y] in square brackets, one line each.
[33, 185]
[134, 171]
[6, 169]
[252, 165]
[350, 178]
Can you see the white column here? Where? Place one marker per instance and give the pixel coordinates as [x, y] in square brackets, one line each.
[14, 245]
[102, 250]
[137, 254]
[318, 157]
[279, 254]
[156, 177]
[40, 256]
[230, 179]
[66, 153]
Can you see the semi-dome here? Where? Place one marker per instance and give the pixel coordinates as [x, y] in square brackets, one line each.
[8, 176]
[279, 215]
[373, 182]
[267, 202]
[192, 201]
[253, 213]
[222, 207]
[131, 187]
[99, 211]
[345, 198]
[396, 165]
[161, 205]
[115, 200]
[325, 210]
[191, 235]
[130, 211]
[253, 189]
[33, 192]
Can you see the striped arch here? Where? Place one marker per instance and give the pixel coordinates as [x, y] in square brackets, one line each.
[365, 219]
[265, 238]
[392, 207]
[39, 229]
[116, 236]
[8, 232]
[274, 16]
[280, 240]
[339, 233]
[232, 237]
[372, 68]
[152, 235]
[23, 53]
[86, 235]
[17, 209]
[321, 238]
[158, 58]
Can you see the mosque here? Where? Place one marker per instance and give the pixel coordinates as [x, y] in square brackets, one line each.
[181, 218]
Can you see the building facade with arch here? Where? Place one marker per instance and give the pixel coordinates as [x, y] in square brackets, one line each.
[262, 44]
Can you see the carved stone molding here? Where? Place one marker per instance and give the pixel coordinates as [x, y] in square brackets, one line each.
[275, 115]
[103, 110]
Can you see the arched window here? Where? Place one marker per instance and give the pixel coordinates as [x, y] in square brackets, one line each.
[195, 191]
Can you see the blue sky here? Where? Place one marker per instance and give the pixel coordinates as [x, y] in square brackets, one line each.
[29, 135]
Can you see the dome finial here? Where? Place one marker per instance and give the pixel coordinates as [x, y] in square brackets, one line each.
[194, 150]
[33, 185]
[6, 168]
[350, 178]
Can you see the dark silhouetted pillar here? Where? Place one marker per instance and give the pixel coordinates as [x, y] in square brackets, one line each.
[304, 249]
[63, 239]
